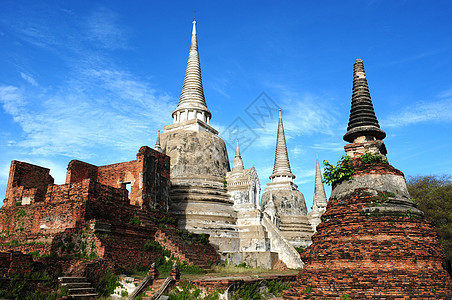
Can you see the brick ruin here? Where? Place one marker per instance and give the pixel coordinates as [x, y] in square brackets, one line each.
[93, 216]
[373, 242]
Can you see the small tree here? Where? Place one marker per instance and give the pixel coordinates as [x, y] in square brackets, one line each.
[433, 194]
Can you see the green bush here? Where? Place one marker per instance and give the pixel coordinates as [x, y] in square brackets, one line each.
[168, 220]
[188, 292]
[369, 158]
[276, 287]
[135, 220]
[202, 238]
[151, 245]
[107, 284]
[342, 171]
[21, 213]
[248, 292]
[308, 289]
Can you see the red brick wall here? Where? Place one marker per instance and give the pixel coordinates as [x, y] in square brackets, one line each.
[156, 178]
[77, 171]
[26, 180]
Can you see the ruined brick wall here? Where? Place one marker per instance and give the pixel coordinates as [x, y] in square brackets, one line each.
[117, 175]
[156, 178]
[27, 183]
[78, 171]
[148, 177]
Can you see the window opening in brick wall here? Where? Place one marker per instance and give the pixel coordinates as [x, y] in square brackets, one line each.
[128, 187]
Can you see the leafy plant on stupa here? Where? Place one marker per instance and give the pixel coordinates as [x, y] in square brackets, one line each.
[369, 158]
[342, 171]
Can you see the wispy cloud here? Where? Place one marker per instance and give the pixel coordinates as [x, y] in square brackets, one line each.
[329, 146]
[115, 109]
[29, 79]
[98, 104]
[104, 30]
[421, 111]
[445, 94]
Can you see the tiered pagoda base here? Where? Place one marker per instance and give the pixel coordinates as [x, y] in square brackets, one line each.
[372, 245]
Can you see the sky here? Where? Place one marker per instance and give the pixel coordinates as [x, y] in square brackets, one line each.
[95, 80]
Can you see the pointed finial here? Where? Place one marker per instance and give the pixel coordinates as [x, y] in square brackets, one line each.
[363, 121]
[193, 32]
[282, 166]
[237, 165]
[320, 200]
[157, 143]
[192, 96]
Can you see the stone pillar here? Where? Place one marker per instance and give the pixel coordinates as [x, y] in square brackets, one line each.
[153, 272]
[175, 272]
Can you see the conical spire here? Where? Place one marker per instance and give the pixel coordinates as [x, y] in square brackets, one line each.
[319, 191]
[157, 143]
[282, 166]
[237, 165]
[192, 95]
[363, 121]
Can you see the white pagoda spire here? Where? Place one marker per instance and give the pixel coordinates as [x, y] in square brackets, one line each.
[157, 143]
[192, 104]
[281, 169]
[237, 165]
[320, 200]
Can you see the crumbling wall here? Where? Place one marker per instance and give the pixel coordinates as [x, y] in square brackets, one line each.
[147, 178]
[155, 178]
[77, 171]
[27, 183]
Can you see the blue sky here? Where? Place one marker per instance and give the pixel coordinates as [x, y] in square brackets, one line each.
[95, 80]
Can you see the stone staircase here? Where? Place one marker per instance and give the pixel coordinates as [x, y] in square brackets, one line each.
[196, 254]
[158, 288]
[280, 244]
[78, 287]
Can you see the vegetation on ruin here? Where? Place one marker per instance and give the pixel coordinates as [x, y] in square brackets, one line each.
[381, 198]
[187, 291]
[151, 245]
[276, 287]
[191, 238]
[433, 195]
[299, 249]
[249, 291]
[228, 269]
[184, 267]
[107, 284]
[308, 289]
[369, 158]
[342, 171]
[35, 285]
[135, 220]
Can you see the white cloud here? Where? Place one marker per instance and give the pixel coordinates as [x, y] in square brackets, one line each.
[421, 111]
[114, 109]
[445, 94]
[329, 146]
[29, 79]
[103, 28]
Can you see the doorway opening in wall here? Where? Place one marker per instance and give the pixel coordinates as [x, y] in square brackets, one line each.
[128, 187]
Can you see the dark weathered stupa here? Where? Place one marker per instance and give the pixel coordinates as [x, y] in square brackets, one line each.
[373, 242]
